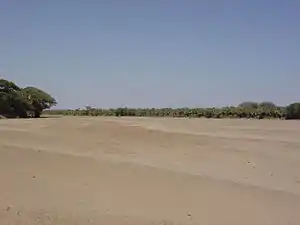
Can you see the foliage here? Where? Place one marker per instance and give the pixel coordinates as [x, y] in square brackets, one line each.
[268, 105]
[293, 111]
[38, 99]
[18, 102]
[12, 102]
[8, 86]
[249, 105]
[259, 112]
[31, 101]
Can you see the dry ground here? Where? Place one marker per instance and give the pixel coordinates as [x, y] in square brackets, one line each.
[115, 171]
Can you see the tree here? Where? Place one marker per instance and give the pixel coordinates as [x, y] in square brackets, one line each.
[18, 102]
[293, 111]
[252, 105]
[12, 100]
[38, 99]
[8, 86]
[268, 105]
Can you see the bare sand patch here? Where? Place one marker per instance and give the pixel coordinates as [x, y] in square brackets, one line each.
[81, 170]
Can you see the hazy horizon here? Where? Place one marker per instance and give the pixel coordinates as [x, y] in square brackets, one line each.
[132, 53]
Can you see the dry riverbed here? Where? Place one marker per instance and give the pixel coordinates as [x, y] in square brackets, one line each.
[113, 171]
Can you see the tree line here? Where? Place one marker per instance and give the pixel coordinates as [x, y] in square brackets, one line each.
[17, 102]
[264, 110]
[31, 102]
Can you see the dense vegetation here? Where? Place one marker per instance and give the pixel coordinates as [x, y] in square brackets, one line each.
[23, 102]
[253, 110]
[31, 102]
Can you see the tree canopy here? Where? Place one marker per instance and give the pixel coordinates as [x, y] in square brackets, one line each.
[293, 111]
[23, 102]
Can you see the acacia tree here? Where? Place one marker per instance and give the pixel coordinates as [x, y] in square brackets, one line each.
[38, 99]
[18, 102]
[13, 103]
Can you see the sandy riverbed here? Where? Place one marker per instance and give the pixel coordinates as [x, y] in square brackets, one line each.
[113, 171]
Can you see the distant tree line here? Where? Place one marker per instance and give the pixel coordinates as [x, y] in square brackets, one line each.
[31, 102]
[264, 110]
[23, 102]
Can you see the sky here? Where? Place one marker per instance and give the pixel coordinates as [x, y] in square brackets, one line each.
[158, 53]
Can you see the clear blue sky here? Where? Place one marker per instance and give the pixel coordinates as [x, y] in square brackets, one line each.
[158, 53]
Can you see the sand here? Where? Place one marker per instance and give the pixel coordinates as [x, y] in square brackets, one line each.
[113, 171]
